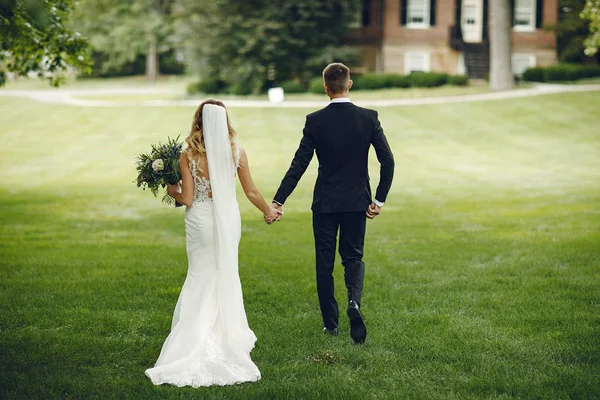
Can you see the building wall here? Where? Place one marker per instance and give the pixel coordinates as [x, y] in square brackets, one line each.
[437, 35]
[540, 43]
[398, 39]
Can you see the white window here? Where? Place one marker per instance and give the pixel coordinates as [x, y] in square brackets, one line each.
[520, 62]
[415, 61]
[470, 14]
[417, 14]
[524, 15]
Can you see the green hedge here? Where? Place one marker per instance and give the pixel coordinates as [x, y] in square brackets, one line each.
[292, 87]
[373, 81]
[316, 85]
[416, 79]
[369, 81]
[561, 72]
[207, 86]
[428, 79]
[458, 80]
[242, 88]
[397, 81]
[535, 74]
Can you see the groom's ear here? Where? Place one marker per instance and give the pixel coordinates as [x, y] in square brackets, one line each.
[350, 84]
[326, 88]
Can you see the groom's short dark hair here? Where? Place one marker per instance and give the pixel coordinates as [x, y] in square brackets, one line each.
[337, 77]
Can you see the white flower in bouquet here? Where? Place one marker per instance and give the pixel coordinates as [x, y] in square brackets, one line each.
[158, 165]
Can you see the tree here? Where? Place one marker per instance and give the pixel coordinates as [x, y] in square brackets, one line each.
[251, 43]
[591, 12]
[571, 31]
[123, 30]
[501, 77]
[34, 39]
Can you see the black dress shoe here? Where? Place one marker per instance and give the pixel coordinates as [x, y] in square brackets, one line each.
[358, 330]
[332, 332]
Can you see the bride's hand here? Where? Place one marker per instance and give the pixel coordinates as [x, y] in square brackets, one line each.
[173, 189]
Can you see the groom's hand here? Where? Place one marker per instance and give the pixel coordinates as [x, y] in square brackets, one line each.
[373, 211]
[279, 208]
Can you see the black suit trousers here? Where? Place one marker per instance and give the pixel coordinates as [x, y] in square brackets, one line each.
[352, 227]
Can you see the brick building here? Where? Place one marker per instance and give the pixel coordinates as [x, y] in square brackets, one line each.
[450, 36]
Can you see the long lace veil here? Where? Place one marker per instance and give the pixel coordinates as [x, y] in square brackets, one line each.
[222, 171]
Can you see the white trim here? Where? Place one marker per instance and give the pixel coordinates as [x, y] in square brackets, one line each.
[426, 59]
[531, 9]
[426, 24]
[462, 67]
[528, 60]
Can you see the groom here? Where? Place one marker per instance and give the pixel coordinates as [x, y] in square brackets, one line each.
[341, 135]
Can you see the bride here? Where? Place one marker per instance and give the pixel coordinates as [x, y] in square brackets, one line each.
[210, 340]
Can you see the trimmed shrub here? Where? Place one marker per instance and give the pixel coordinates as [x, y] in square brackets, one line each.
[458, 80]
[192, 88]
[397, 81]
[562, 72]
[370, 82]
[591, 71]
[207, 86]
[292, 87]
[316, 86]
[534, 74]
[241, 88]
[427, 79]
[380, 81]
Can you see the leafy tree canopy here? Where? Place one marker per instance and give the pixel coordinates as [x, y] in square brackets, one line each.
[34, 38]
[123, 30]
[591, 12]
[255, 42]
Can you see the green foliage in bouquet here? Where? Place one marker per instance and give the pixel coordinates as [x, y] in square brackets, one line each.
[160, 167]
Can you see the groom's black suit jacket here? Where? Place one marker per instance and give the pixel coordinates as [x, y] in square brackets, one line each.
[341, 134]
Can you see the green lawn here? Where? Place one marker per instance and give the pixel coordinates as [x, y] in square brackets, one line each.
[483, 271]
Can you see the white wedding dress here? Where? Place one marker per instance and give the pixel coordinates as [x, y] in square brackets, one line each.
[210, 340]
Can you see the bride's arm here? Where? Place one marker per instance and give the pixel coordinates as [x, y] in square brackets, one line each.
[186, 196]
[251, 191]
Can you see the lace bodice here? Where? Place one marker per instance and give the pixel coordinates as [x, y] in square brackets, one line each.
[202, 188]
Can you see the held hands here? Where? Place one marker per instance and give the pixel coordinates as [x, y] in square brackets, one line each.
[274, 214]
[373, 211]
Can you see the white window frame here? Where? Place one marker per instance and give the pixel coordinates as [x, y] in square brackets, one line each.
[426, 60]
[462, 67]
[426, 24]
[531, 61]
[532, 10]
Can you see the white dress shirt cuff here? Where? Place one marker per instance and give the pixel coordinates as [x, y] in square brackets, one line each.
[276, 202]
[378, 203]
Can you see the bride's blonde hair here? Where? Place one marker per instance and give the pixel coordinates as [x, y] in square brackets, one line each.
[195, 140]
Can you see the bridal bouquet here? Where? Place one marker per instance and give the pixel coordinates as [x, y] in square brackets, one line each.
[160, 167]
